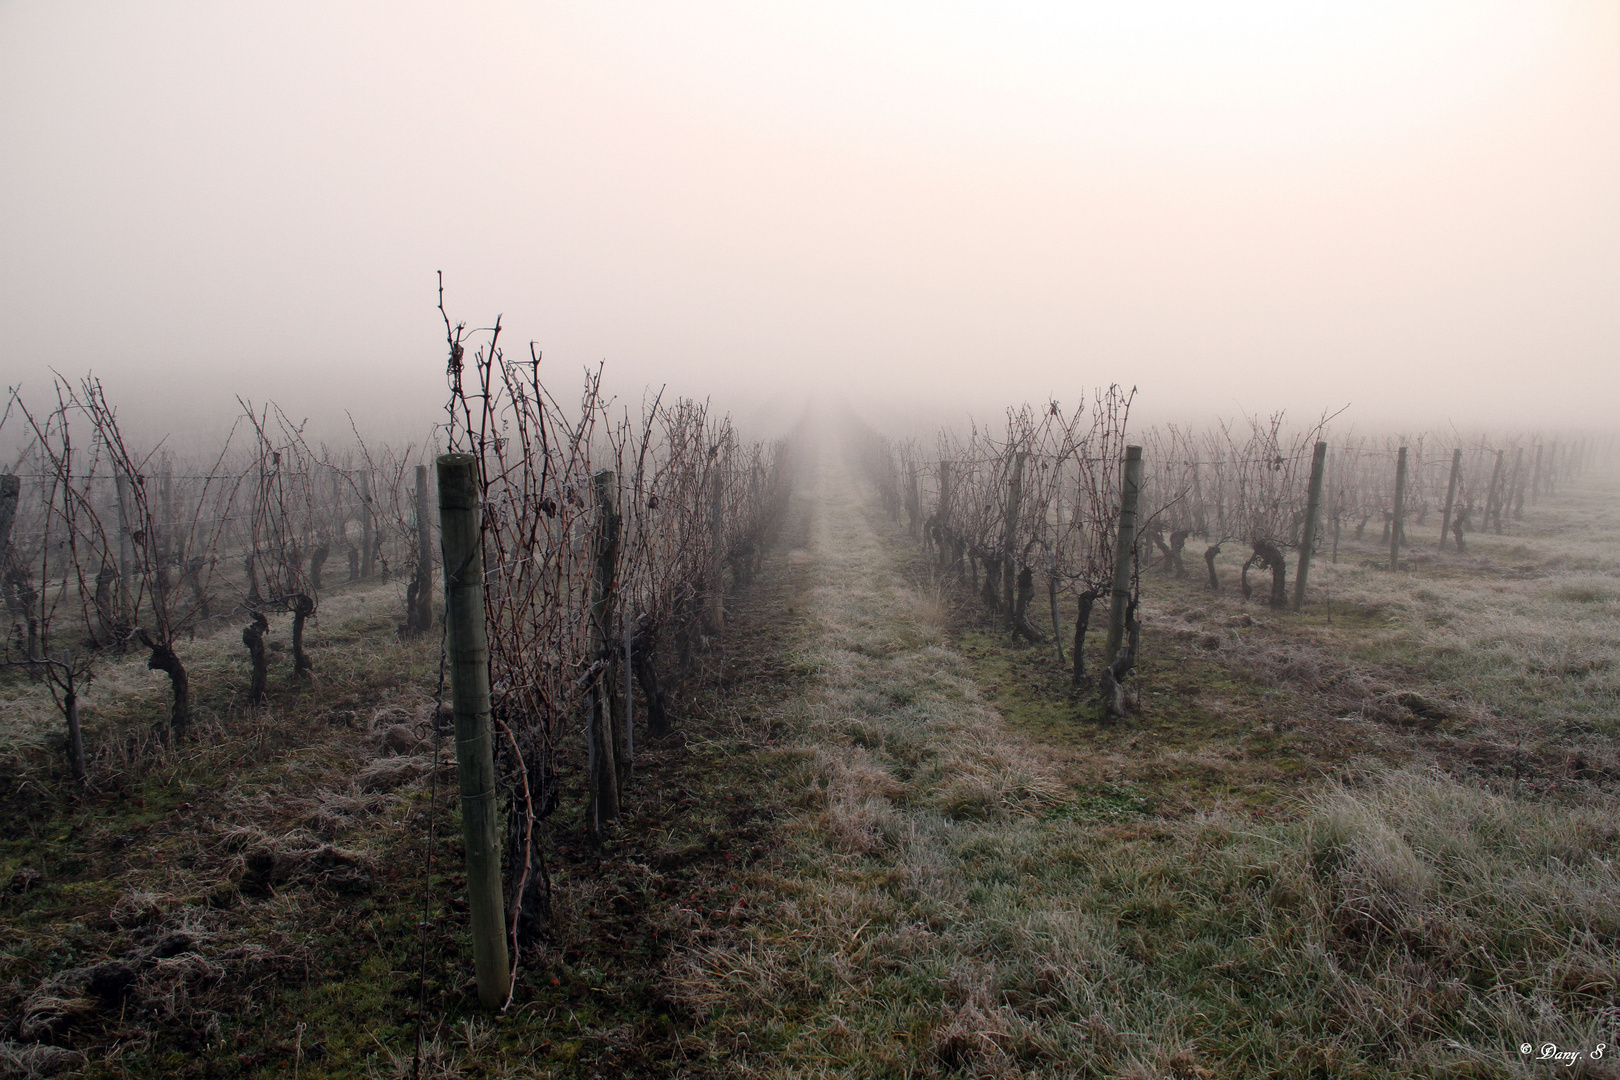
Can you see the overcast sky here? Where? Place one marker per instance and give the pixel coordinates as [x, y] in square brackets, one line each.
[1410, 206]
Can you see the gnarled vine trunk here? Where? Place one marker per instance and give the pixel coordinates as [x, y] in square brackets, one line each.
[1178, 544]
[165, 659]
[641, 659]
[1088, 600]
[303, 608]
[1112, 680]
[70, 709]
[1209, 564]
[317, 559]
[1269, 557]
[253, 638]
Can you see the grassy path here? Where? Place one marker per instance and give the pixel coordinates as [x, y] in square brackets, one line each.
[948, 898]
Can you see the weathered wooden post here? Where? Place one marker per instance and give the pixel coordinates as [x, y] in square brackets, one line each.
[1313, 507]
[1451, 494]
[1493, 499]
[10, 495]
[340, 480]
[913, 499]
[1124, 553]
[1535, 477]
[1202, 513]
[423, 616]
[1335, 508]
[165, 540]
[368, 528]
[468, 647]
[601, 759]
[1009, 536]
[1051, 577]
[1397, 524]
[714, 600]
[942, 514]
[126, 553]
[340, 521]
[1516, 488]
[1057, 625]
[629, 690]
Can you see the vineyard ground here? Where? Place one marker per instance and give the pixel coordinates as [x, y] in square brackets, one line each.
[279, 857]
[885, 842]
[1510, 648]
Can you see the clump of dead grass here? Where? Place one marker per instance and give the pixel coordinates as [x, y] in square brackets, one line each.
[856, 795]
[171, 975]
[28, 1061]
[266, 863]
[1471, 910]
[931, 610]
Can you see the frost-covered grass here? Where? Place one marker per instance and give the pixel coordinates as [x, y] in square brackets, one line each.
[1524, 622]
[952, 900]
[350, 638]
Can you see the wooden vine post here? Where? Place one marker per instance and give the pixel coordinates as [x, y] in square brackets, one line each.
[1009, 537]
[127, 615]
[368, 528]
[1397, 525]
[943, 514]
[1313, 508]
[1198, 501]
[1124, 553]
[340, 480]
[171, 524]
[628, 638]
[1516, 488]
[601, 759]
[1051, 576]
[340, 520]
[913, 499]
[423, 615]
[1493, 503]
[1451, 494]
[468, 646]
[714, 602]
[10, 495]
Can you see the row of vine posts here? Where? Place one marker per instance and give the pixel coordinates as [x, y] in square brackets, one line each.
[119, 547]
[1063, 494]
[607, 542]
[609, 538]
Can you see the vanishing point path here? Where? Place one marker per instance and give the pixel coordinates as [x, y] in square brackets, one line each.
[945, 896]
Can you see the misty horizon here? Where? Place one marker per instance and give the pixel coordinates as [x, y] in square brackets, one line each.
[1403, 209]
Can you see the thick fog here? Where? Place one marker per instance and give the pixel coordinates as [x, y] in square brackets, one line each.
[1408, 207]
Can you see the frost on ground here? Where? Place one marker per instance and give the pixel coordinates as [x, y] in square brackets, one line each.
[948, 901]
